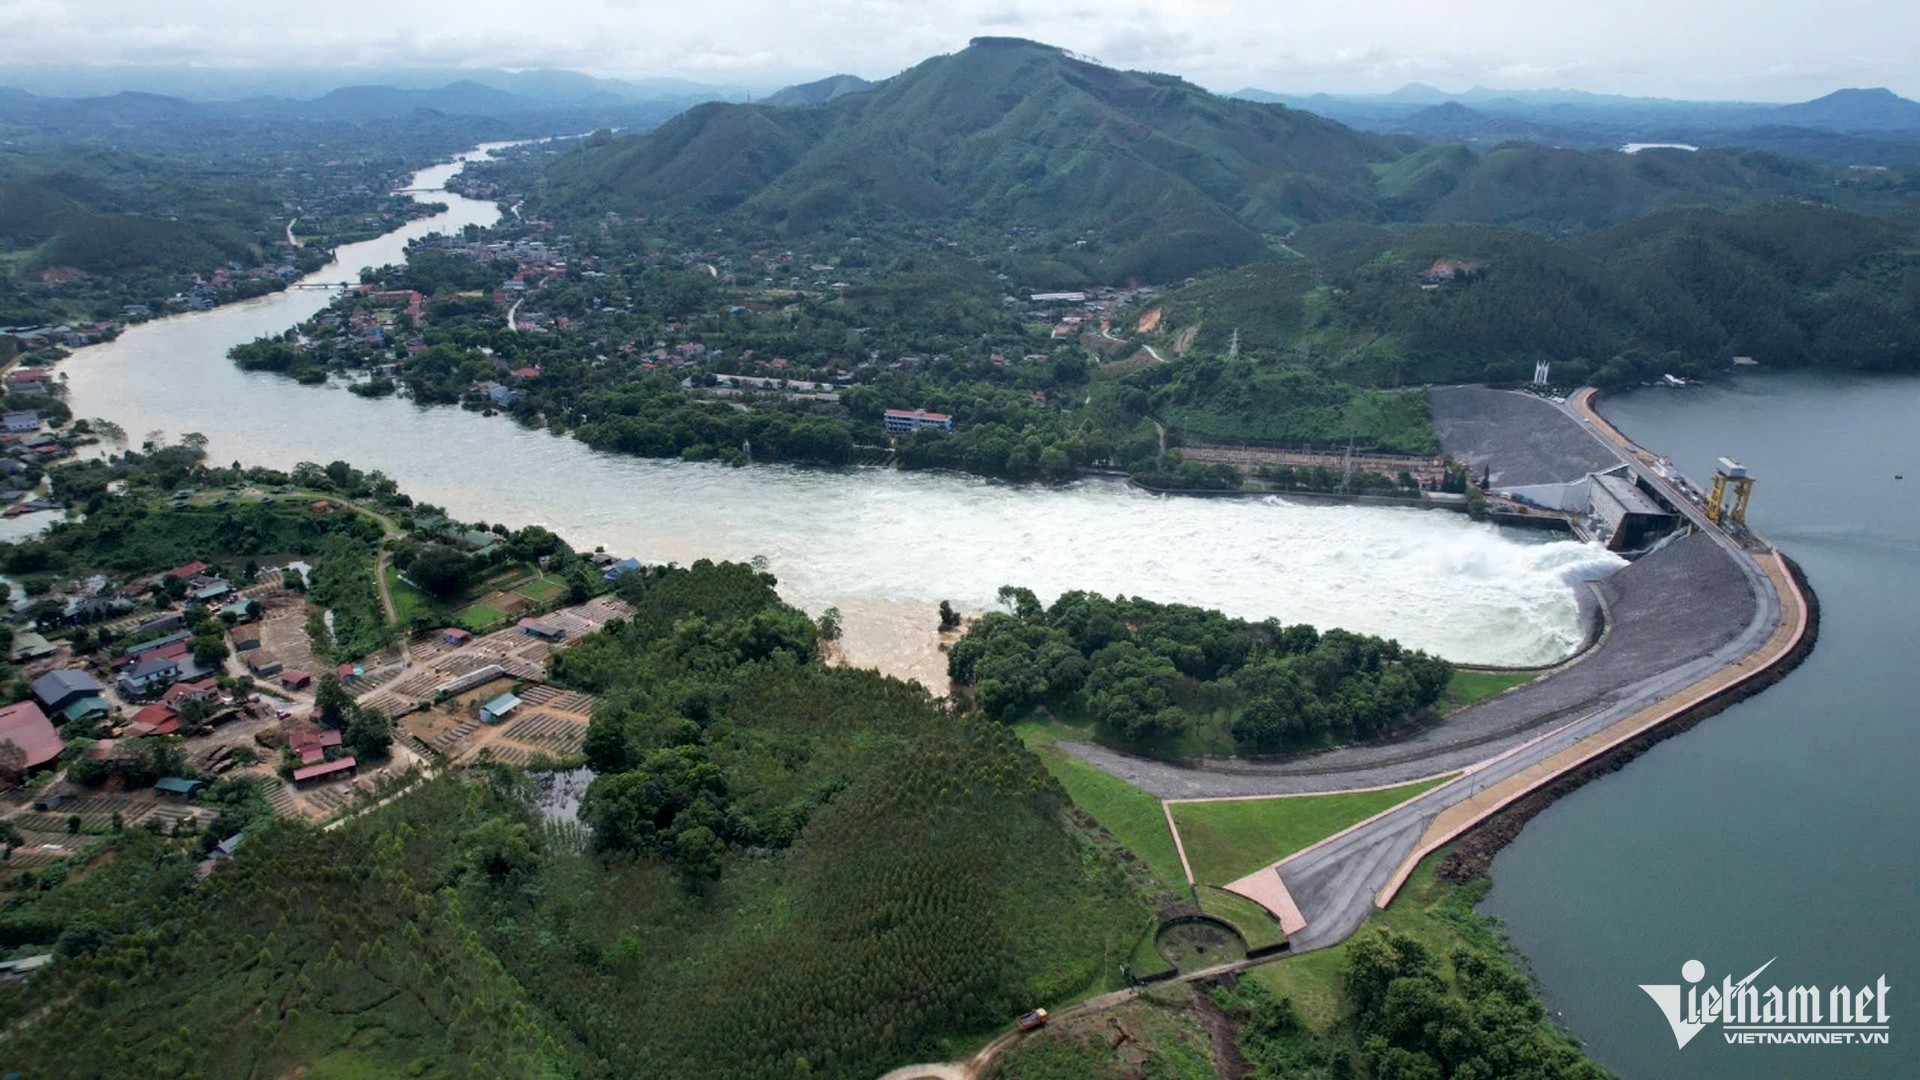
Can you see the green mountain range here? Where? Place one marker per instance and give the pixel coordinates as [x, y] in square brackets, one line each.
[1680, 291]
[1094, 173]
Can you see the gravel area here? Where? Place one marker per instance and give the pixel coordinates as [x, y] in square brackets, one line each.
[1523, 439]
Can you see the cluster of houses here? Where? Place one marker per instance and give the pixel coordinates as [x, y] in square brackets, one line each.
[205, 291]
[30, 338]
[1069, 313]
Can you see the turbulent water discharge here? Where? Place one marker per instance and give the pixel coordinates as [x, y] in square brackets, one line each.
[883, 546]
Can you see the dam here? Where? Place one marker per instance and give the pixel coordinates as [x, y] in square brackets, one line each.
[1677, 630]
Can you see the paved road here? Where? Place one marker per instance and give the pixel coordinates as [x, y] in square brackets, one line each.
[1681, 614]
[1335, 885]
[1675, 617]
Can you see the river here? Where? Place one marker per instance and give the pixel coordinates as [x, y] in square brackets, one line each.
[883, 546]
[1787, 826]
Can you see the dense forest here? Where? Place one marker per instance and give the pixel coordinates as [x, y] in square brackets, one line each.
[1165, 678]
[1082, 173]
[1683, 291]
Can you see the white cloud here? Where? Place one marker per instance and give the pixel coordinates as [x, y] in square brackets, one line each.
[1701, 47]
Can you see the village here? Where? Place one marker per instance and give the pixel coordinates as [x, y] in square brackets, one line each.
[154, 692]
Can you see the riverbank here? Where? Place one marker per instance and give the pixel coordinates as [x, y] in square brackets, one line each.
[1723, 844]
[1685, 624]
[1473, 851]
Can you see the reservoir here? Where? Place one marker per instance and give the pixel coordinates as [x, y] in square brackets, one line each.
[1786, 826]
[883, 546]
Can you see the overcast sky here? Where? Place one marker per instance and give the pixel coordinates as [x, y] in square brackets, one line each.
[1764, 50]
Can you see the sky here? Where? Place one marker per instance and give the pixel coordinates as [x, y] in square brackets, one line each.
[1774, 50]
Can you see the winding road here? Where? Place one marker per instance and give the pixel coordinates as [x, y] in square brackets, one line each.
[1682, 625]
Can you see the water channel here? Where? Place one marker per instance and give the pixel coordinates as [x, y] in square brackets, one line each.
[884, 546]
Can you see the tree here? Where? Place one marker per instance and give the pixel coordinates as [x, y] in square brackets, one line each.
[335, 705]
[949, 618]
[830, 624]
[209, 650]
[369, 735]
[440, 571]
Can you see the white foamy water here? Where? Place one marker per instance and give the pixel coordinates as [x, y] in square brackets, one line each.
[883, 546]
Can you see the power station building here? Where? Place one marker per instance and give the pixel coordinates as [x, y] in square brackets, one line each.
[1621, 515]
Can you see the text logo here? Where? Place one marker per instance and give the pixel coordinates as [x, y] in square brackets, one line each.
[1748, 1014]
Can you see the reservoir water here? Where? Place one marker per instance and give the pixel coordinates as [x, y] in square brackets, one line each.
[884, 546]
[1788, 825]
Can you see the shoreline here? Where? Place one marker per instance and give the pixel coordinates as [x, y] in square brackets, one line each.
[1475, 849]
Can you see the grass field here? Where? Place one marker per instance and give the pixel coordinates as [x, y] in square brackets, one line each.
[540, 590]
[1255, 925]
[1228, 840]
[409, 601]
[480, 616]
[1467, 687]
[1166, 1043]
[1131, 815]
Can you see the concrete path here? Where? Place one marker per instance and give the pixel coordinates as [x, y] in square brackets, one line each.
[1683, 623]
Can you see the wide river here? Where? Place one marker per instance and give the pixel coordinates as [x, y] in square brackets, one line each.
[884, 546]
[1787, 826]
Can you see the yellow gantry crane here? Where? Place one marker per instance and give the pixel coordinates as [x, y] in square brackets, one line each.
[1730, 474]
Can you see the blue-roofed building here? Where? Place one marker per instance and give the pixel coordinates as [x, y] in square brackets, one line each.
[86, 708]
[149, 675]
[496, 710]
[59, 689]
[624, 566]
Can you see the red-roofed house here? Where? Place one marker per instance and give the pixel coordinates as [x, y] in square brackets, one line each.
[325, 769]
[192, 569]
[526, 373]
[26, 727]
[180, 693]
[295, 680]
[154, 720]
[315, 740]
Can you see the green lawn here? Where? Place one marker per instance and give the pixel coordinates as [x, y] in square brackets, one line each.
[1131, 815]
[480, 616]
[1228, 840]
[1255, 925]
[409, 601]
[540, 590]
[1467, 687]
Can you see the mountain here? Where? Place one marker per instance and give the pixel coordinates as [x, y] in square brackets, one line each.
[817, 93]
[1120, 173]
[210, 84]
[1853, 111]
[1851, 127]
[1682, 290]
[1068, 171]
[1453, 122]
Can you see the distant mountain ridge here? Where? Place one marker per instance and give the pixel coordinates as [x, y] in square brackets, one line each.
[1854, 126]
[1102, 174]
[207, 85]
[1156, 175]
[122, 115]
[818, 92]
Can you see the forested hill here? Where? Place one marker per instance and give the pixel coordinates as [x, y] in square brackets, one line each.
[1683, 291]
[1101, 174]
[1161, 175]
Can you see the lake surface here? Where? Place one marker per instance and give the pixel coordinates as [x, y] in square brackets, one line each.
[884, 546]
[1786, 826]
